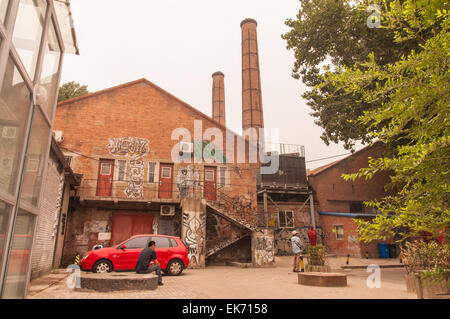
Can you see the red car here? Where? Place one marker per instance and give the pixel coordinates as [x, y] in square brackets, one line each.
[170, 251]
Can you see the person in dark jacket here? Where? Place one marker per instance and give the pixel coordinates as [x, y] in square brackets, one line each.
[143, 263]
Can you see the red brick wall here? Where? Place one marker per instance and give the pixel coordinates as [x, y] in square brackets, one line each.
[136, 110]
[334, 194]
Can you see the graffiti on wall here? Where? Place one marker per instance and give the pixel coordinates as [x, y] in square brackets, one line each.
[353, 243]
[264, 250]
[283, 239]
[135, 148]
[195, 236]
[188, 182]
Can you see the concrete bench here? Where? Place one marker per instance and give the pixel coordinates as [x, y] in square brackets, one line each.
[322, 279]
[114, 281]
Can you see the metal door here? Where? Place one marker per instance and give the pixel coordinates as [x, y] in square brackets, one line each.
[105, 178]
[165, 181]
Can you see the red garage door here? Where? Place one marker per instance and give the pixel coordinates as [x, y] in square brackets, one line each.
[125, 225]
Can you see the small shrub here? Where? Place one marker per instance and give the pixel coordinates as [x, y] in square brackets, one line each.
[427, 260]
[316, 255]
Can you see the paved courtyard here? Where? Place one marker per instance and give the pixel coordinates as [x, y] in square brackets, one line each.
[226, 282]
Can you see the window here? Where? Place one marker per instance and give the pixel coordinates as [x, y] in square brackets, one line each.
[286, 219]
[161, 242]
[122, 169]
[3, 8]
[209, 175]
[173, 242]
[339, 230]
[49, 75]
[356, 207]
[28, 32]
[34, 159]
[14, 107]
[166, 172]
[15, 281]
[105, 169]
[151, 172]
[223, 171]
[136, 243]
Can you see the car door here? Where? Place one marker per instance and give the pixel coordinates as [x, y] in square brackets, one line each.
[162, 250]
[126, 258]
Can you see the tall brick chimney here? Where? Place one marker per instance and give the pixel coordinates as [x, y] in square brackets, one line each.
[252, 109]
[218, 97]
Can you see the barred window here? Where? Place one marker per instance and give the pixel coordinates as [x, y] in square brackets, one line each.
[222, 176]
[151, 172]
[339, 230]
[286, 219]
[122, 170]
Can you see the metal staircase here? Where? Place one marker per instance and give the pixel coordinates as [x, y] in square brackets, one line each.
[240, 214]
[234, 210]
[224, 244]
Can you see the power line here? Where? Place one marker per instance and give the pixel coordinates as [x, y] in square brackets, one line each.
[321, 159]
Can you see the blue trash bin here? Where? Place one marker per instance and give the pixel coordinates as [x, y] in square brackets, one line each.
[384, 250]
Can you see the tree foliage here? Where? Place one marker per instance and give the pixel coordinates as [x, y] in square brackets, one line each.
[332, 34]
[412, 102]
[70, 90]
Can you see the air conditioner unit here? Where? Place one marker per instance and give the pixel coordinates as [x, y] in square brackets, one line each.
[167, 210]
[186, 147]
[58, 136]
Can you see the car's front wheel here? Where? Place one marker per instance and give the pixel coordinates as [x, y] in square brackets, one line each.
[175, 267]
[102, 266]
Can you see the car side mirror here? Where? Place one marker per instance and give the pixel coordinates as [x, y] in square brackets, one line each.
[123, 247]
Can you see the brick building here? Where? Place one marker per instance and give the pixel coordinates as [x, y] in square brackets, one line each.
[341, 201]
[137, 147]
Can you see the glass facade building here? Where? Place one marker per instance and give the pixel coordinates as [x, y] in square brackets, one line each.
[34, 35]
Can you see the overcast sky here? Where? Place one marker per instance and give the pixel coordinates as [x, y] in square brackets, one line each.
[179, 44]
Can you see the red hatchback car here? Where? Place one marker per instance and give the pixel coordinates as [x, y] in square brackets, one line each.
[172, 255]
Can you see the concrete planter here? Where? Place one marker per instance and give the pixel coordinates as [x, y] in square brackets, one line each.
[426, 288]
[320, 279]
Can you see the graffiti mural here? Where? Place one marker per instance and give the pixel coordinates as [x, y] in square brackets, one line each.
[283, 239]
[195, 225]
[353, 243]
[135, 148]
[264, 249]
[188, 182]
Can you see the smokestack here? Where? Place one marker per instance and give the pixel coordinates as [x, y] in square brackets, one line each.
[252, 110]
[218, 98]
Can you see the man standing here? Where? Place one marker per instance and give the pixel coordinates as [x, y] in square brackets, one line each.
[296, 249]
[143, 263]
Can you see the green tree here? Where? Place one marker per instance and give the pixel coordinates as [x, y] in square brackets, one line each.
[70, 90]
[330, 34]
[412, 102]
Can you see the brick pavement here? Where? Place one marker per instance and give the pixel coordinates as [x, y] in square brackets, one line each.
[224, 282]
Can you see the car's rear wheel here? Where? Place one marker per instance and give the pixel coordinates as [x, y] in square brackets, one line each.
[102, 266]
[175, 267]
